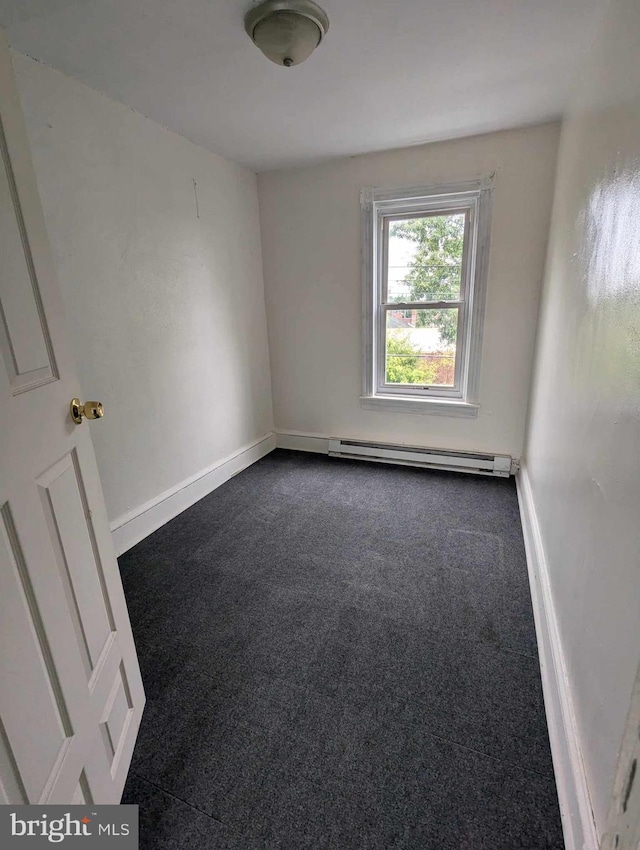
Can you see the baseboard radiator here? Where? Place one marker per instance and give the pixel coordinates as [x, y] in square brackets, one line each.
[475, 462]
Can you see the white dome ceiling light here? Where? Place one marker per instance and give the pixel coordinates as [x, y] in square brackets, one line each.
[287, 31]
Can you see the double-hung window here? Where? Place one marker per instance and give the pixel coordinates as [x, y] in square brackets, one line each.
[424, 280]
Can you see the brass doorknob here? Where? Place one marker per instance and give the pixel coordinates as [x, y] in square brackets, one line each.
[90, 410]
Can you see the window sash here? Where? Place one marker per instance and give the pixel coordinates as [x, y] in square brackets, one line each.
[428, 213]
[439, 389]
[382, 305]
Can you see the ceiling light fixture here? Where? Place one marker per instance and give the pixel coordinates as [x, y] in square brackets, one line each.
[287, 31]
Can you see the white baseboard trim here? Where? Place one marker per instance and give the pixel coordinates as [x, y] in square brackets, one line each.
[297, 441]
[139, 523]
[573, 791]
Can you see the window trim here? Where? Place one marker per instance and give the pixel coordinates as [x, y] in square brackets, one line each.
[380, 206]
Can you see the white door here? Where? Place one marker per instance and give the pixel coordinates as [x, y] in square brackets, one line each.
[71, 695]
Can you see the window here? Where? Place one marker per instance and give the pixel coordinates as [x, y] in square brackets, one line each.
[425, 265]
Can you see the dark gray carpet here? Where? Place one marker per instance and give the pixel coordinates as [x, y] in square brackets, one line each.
[340, 655]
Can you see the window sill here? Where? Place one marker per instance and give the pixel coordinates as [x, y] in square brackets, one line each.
[431, 406]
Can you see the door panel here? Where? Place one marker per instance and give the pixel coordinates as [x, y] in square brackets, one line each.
[117, 716]
[64, 504]
[71, 697]
[31, 666]
[28, 350]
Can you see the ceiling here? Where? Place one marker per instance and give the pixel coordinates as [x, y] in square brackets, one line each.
[390, 73]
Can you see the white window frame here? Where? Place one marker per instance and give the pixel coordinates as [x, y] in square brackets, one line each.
[379, 208]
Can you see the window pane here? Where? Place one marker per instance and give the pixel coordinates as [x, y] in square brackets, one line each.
[421, 347]
[425, 258]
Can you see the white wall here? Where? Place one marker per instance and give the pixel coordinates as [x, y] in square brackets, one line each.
[583, 448]
[311, 239]
[166, 309]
